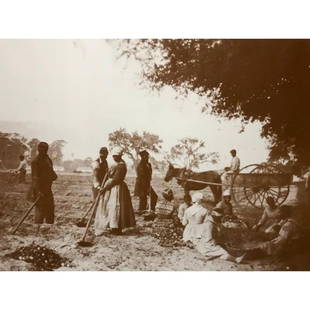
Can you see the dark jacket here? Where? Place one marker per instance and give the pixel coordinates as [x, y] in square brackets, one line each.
[144, 177]
[42, 173]
[100, 171]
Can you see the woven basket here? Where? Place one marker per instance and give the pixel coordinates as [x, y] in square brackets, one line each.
[164, 209]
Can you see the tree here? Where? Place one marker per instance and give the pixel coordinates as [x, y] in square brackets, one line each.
[255, 80]
[157, 164]
[88, 161]
[191, 153]
[12, 145]
[133, 143]
[55, 151]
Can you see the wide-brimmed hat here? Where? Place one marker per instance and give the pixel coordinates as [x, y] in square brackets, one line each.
[143, 153]
[197, 196]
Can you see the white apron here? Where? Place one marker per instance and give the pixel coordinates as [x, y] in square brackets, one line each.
[108, 210]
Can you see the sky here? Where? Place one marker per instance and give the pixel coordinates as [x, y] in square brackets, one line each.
[79, 91]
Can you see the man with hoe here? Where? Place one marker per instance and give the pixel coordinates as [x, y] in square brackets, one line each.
[43, 176]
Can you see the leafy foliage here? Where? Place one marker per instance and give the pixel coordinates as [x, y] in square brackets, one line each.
[133, 143]
[12, 145]
[55, 151]
[191, 153]
[255, 80]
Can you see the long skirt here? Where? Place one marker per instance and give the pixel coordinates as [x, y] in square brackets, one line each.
[209, 248]
[114, 210]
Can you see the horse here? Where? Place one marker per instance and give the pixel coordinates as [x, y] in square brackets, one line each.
[181, 174]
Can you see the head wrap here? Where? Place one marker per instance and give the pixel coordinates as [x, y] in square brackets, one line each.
[117, 152]
[196, 197]
[226, 193]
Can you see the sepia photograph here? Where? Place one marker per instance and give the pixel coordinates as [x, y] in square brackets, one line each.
[154, 155]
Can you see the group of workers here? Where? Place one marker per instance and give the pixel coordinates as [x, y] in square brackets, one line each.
[115, 210]
[202, 227]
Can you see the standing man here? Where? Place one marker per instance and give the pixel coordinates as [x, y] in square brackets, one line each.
[100, 170]
[43, 175]
[143, 186]
[235, 162]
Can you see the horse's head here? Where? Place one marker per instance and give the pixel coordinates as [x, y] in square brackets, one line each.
[170, 173]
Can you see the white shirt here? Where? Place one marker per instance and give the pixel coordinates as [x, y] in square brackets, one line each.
[235, 164]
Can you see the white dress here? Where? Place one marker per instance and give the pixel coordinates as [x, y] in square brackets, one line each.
[199, 230]
[193, 218]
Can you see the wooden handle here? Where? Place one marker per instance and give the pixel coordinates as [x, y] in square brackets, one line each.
[24, 216]
[94, 206]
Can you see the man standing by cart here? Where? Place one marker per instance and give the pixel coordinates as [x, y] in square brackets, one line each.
[235, 162]
[143, 187]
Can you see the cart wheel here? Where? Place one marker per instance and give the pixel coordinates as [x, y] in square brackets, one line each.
[256, 195]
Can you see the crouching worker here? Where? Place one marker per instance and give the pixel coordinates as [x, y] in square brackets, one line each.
[288, 237]
[225, 205]
[115, 210]
[270, 218]
[43, 175]
[200, 230]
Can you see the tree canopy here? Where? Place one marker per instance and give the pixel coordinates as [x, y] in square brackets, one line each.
[255, 80]
[191, 153]
[55, 151]
[133, 143]
[12, 145]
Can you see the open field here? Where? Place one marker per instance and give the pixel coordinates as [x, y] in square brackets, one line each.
[136, 250]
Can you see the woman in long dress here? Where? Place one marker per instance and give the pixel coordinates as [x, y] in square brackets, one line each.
[200, 227]
[115, 209]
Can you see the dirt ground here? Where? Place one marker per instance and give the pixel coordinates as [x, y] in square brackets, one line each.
[134, 251]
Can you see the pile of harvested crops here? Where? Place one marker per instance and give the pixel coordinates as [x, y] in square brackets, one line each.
[168, 231]
[42, 258]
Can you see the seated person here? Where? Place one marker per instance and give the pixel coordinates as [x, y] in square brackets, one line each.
[289, 231]
[270, 217]
[225, 204]
[187, 203]
[200, 226]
